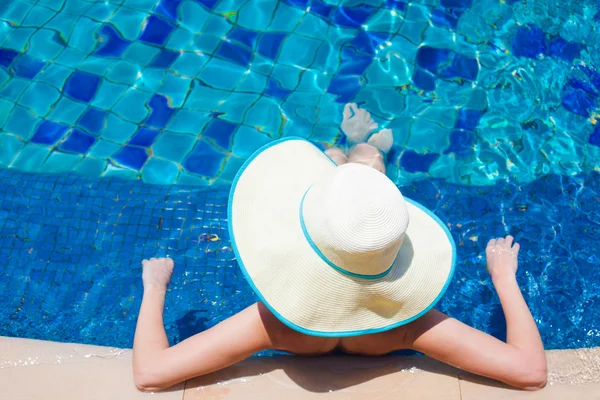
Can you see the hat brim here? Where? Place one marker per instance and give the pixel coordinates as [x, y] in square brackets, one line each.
[292, 280]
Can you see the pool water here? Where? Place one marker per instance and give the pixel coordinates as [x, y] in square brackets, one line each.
[123, 122]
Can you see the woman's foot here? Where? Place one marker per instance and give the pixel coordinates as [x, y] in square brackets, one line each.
[337, 155]
[366, 154]
[357, 123]
[157, 272]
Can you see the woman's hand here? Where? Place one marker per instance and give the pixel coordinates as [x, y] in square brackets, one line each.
[157, 272]
[502, 257]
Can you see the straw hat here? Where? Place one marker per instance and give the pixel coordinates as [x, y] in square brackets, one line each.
[329, 249]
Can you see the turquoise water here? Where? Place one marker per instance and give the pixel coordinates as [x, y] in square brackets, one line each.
[104, 105]
[175, 91]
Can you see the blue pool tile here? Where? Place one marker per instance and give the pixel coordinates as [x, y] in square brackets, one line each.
[217, 25]
[443, 18]
[82, 86]
[111, 43]
[144, 137]
[16, 11]
[396, 4]
[22, 123]
[189, 121]
[140, 53]
[128, 22]
[354, 62]
[61, 162]
[205, 43]
[39, 97]
[193, 16]
[243, 36]
[164, 59]
[11, 146]
[161, 112]
[234, 53]
[28, 67]
[108, 94]
[461, 143]
[274, 89]
[31, 157]
[160, 172]
[123, 72]
[63, 23]
[202, 97]
[269, 44]
[462, 66]
[173, 146]
[220, 132]
[460, 4]
[54, 75]
[4, 77]
[175, 88]
[578, 98]
[594, 138]
[412, 161]
[247, 140]
[92, 120]
[103, 149]
[353, 17]
[49, 132]
[299, 50]
[321, 8]
[231, 168]
[312, 26]
[6, 107]
[265, 115]
[83, 36]
[157, 30]
[363, 43]
[252, 82]
[13, 88]
[131, 157]
[38, 16]
[204, 160]
[565, 50]
[46, 44]
[430, 58]
[259, 15]
[189, 64]
[468, 119]
[7, 56]
[101, 11]
[67, 111]
[132, 106]
[209, 4]
[168, 8]
[78, 142]
[71, 58]
[117, 129]
[92, 167]
[221, 74]
[345, 86]
[18, 38]
[95, 65]
[529, 41]
[286, 76]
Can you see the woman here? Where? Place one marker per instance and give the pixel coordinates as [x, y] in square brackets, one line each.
[341, 262]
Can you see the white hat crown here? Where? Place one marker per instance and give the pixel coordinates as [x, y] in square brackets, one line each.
[356, 219]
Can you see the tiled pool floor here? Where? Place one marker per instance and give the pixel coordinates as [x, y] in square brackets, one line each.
[59, 371]
[182, 91]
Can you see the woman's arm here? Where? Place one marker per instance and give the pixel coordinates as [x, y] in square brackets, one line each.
[521, 362]
[157, 366]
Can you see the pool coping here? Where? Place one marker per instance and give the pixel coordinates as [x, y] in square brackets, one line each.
[33, 369]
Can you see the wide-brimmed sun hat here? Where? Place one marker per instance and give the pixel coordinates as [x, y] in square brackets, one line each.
[335, 250]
